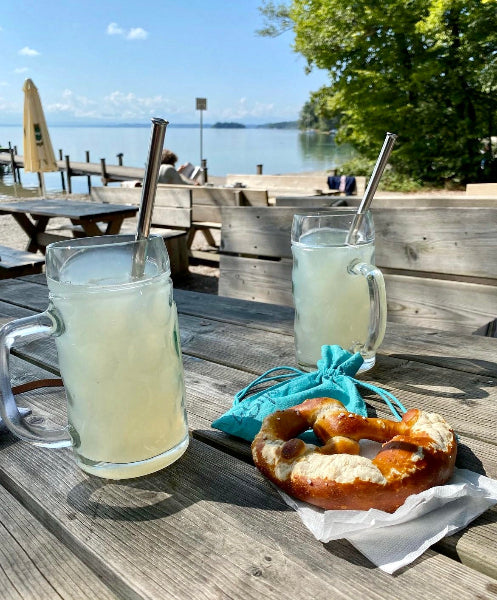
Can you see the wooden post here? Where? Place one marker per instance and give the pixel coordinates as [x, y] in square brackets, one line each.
[259, 169]
[120, 159]
[203, 164]
[104, 171]
[13, 163]
[87, 152]
[68, 171]
[18, 168]
[63, 181]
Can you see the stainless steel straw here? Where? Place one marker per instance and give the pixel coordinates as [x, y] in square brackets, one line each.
[379, 167]
[149, 190]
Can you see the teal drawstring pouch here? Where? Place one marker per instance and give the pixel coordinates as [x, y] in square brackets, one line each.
[334, 378]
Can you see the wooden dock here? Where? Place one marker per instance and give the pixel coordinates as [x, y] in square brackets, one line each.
[108, 173]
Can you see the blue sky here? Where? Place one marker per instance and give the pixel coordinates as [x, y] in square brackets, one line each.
[125, 61]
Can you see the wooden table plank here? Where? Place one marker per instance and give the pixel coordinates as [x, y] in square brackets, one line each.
[35, 565]
[472, 354]
[86, 214]
[467, 400]
[9, 312]
[24, 293]
[258, 315]
[39, 278]
[210, 390]
[468, 404]
[70, 209]
[209, 526]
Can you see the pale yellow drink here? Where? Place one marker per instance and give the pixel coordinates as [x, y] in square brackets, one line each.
[120, 359]
[332, 304]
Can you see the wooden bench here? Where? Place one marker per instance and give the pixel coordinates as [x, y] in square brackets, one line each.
[291, 184]
[171, 218]
[174, 210]
[439, 264]
[206, 210]
[411, 201]
[420, 201]
[481, 189]
[207, 203]
[319, 200]
[15, 263]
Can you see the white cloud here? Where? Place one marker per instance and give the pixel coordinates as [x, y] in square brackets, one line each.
[131, 107]
[114, 29]
[27, 51]
[9, 106]
[21, 70]
[124, 105]
[116, 106]
[74, 105]
[242, 110]
[135, 33]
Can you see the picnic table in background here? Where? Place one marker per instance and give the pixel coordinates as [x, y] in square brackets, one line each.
[210, 526]
[34, 216]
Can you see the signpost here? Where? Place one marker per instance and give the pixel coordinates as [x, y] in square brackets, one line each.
[201, 106]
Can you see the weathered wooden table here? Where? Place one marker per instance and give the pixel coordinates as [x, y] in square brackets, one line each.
[85, 214]
[210, 526]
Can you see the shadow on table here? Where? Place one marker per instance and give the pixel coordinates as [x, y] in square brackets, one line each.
[467, 459]
[346, 551]
[448, 545]
[470, 365]
[454, 382]
[201, 474]
[189, 481]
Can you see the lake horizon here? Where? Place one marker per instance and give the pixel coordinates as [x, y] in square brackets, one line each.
[226, 150]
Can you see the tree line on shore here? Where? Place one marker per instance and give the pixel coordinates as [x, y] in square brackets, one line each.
[426, 70]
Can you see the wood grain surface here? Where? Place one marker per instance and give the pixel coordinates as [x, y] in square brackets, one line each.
[210, 526]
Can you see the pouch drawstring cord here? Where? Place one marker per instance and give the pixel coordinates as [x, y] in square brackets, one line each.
[239, 396]
[386, 396]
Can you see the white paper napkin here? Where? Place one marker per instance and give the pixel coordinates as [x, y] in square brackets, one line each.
[393, 540]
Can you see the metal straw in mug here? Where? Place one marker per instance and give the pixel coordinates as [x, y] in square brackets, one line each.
[379, 167]
[149, 190]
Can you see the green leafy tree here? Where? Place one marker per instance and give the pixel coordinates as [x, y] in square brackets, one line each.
[425, 69]
[315, 116]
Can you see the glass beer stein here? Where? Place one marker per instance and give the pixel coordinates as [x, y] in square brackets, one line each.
[339, 294]
[119, 352]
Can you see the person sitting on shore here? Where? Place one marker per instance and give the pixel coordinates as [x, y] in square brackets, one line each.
[169, 174]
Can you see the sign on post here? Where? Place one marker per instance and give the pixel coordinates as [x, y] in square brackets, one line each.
[201, 104]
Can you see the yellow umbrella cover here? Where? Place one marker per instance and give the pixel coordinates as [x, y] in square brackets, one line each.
[38, 152]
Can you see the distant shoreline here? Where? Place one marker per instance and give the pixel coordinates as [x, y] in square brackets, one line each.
[228, 151]
[281, 126]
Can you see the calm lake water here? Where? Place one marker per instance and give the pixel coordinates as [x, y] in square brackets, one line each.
[226, 151]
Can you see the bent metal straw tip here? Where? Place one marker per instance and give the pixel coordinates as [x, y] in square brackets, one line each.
[379, 167]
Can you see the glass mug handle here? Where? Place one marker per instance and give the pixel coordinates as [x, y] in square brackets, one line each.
[377, 302]
[43, 325]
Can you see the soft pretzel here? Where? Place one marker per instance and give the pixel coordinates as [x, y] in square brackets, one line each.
[418, 452]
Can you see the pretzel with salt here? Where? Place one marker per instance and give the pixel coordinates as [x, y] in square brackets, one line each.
[418, 453]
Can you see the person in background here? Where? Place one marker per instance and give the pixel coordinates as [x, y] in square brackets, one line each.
[488, 165]
[168, 172]
[345, 184]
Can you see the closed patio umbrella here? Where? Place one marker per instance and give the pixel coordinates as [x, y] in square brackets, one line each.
[38, 152]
